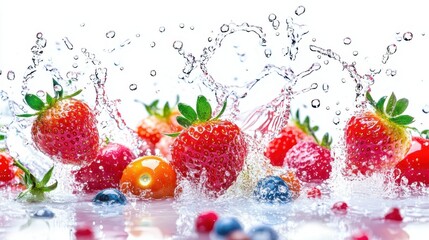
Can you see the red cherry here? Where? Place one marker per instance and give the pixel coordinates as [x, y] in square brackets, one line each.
[205, 221]
[393, 215]
[340, 207]
[314, 192]
[84, 233]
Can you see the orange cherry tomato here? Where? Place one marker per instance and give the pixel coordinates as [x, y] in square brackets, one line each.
[293, 182]
[149, 177]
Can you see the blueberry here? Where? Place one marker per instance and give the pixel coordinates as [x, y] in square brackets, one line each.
[43, 213]
[110, 196]
[272, 189]
[263, 233]
[226, 225]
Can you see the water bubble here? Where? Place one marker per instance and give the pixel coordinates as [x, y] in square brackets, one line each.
[325, 87]
[74, 65]
[10, 75]
[326, 62]
[137, 35]
[408, 36]
[277, 34]
[177, 45]
[126, 42]
[3, 95]
[192, 27]
[315, 103]
[209, 39]
[68, 44]
[83, 50]
[347, 41]
[41, 42]
[110, 34]
[385, 58]
[152, 73]
[328, 108]
[313, 40]
[76, 57]
[121, 68]
[181, 25]
[272, 17]
[162, 29]
[1, 72]
[39, 35]
[82, 24]
[224, 28]
[133, 87]
[58, 88]
[104, 124]
[276, 24]
[152, 44]
[336, 120]
[300, 10]
[426, 109]
[398, 37]
[338, 112]
[355, 53]
[40, 93]
[319, 56]
[391, 49]
[267, 52]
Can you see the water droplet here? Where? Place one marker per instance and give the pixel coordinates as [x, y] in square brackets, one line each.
[10, 75]
[315, 103]
[181, 25]
[327, 107]
[319, 56]
[209, 39]
[68, 44]
[326, 62]
[177, 45]
[408, 36]
[152, 73]
[358, 88]
[83, 50]
[355, 53]
[300, 10]
[110, 34]
[385, 58]
[336, 120]
[224, 28]
[347, 41]
[82, 24]
[277, 34]
[152, 44]
[391, 49]
[39, 35]
[126, 42]
[272, 17]
[426, 109]
[276, 24]
[137, 35]
[162, 29]
[192, 27]
[74, 65]
[58, 88]
[267, 52]
[121, 68]
[76, 57]
[1, 72]
[133, 87]
[314, 40]
[338, 112]
[325, 87]
[3, 95]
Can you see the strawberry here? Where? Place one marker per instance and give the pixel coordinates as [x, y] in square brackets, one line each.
[106, 170]
[415, 165]
[158, 122]
[209, 150]
[7, 170]
[290, 135]
[311, 160]
[65, 128]
[377, 141]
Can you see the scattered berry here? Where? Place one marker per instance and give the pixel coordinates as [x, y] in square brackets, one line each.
[394, 215]
[84, 233]
[263, 233]
[205, 222]
[226, 225]
[293, 183]
[272, 189]
[314, 192]
[340, 207]
[43, 213]
[109, 196]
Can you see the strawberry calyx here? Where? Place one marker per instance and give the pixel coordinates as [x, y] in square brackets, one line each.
[392, 111]
[34, 187]
[2, 137]
[190, 116]
[37, 104]
[311, 130]
[162, 113]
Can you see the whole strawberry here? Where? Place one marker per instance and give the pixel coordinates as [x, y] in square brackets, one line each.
[377, 140]
[290, 135]
[65, 128]
[209, 150]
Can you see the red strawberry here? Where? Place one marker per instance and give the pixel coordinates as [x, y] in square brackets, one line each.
[377, 141]
[311, 160]
[106, 170]
[208, 145]
[290, 135]
[158, 122]
[415, 166]
[7, 170]
[65, 128]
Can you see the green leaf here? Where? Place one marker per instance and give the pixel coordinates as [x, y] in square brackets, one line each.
[49, 99]
[222, 110]
[184, 122]
[50, 188]
[391, 103]
[379, 106]
[204, 110]
[34, 102]
[326, 141]
[73, 94]
[27, 115]
[2, 137]
[315, 128]
[23, 193]
[297, 115]
[166, 111]
[370, 99]
[46, 178]
[172, 134]
[58, 94]
[400, 107]
[425, 133]
[402, 120]
[188, 112]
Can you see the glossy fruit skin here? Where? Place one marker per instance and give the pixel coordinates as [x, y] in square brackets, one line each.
[415, 165]
[280, 145]
[106, 170]
[110, 196]
[340, 207]
[393, 215]
[373, 144]
[227, 225]
[272, 189]
[149, 177]
[216, 147]
[7, 170]
[205, 221]
[67, 132]
[311, 162]
[314, 193]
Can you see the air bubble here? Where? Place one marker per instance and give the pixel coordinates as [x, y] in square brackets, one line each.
[224, 28]
[267, 52]
[161, 29]
[68, 44]
[338, 112]
[10, 75]
[74, 65]
[272, 17]
[385, 58]
[39, 35]
[426, 109]
[276, 24]
[40, 93]
[133, 87]
[137, 35]
[336, 120]
[82, 24]
[192, 27]
[326, 62]
[300, 10]
[325, 87]
[355, 53]
[110, 34]
[121, 68]
[58, 88]
[315, 103]
[153, 73]
[408, 36]
[126, 42]
[152, 44]
[209, 39]
[313, 40]
[347, 41]
[177, 45]
[328, 108]
[182, 25]
[391, 49]
[76, 57]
